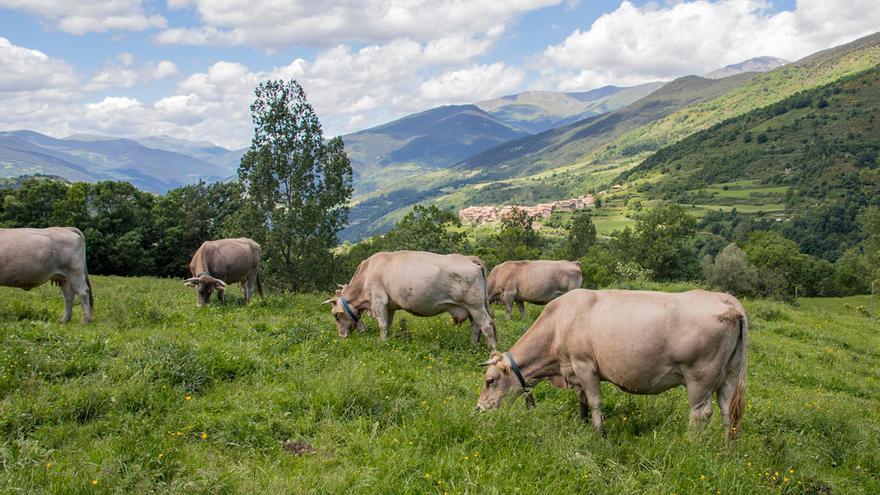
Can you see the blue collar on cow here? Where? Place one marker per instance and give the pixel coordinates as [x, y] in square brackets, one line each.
[347, 309]
[530, 400]
[516, 371]
[203, 273]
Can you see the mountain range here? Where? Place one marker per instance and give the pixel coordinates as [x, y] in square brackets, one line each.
[154, 164]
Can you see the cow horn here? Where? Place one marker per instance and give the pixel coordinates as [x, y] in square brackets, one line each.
[341, 286]
[330, 301]
[222, 283]
[488, 362]
[191, 282]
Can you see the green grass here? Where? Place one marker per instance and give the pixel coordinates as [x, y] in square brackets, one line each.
[107, 402]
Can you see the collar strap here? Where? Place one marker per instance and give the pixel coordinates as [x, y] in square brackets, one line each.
[203, 273]
[516, 371]
[347, 309]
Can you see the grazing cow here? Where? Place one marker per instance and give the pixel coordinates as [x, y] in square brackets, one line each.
[421, 283]
[643, 342]
[536, 282]
[31, 257]
[223, 261]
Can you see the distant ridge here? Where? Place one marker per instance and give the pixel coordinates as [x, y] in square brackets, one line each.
[757, 64]
[92, 158]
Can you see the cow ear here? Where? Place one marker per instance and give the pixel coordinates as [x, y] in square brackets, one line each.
[331, 301]
[191, 282]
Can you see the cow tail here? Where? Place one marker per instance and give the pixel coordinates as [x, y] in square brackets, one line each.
[737, 401]
[259, 285]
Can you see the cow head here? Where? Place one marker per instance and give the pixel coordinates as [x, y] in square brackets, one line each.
[499, 380]
[205, 285]
[344, 321]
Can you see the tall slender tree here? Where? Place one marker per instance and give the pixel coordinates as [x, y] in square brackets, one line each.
[297, 185]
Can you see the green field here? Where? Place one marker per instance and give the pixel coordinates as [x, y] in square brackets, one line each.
[157, 396]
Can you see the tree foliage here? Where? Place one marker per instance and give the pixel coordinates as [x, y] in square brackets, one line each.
[297, 186]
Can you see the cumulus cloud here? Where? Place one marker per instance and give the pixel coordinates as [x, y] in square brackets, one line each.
[24, 69]
[271, 24]
[123, 74]
[472, 84]
[91, 16]
[636, 44]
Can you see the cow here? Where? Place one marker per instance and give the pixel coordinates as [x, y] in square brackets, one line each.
[421, 283]
[641, 341]
[31, 257]
[536, 282]
[225, 261]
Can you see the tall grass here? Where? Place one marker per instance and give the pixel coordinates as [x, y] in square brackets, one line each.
[160, 396]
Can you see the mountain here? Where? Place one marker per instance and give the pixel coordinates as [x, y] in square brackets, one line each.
[93, 158]
[589, 155]
[812, 158]
[427, 140]
[439, 137]
[565, 144]
[757, 64]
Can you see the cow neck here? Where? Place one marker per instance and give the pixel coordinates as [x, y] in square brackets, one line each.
[532, 355]
[354, 298]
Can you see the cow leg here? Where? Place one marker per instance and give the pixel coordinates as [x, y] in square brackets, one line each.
[475, 333]
[251, 284]
[700, 399]
[221, 295]
[480, 317]
[521, 306]
[591, 393]
[384, 317]
[67, 292]
[508, 304]
[583, 405]
[80, 287]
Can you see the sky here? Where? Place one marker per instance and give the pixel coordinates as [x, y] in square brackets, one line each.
[188, 68]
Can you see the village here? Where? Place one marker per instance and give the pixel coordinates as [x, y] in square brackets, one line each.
[479, 215]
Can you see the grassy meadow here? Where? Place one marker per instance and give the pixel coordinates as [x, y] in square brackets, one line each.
[158, 396]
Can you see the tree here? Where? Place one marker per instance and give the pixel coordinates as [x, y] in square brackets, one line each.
[581, 235]
[426, 229]
[32, 203]
[662, 242]
[732, 272]
[780, 264]
[297, 186]
[517, 239]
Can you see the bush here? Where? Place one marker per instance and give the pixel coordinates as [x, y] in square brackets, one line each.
[732, 272]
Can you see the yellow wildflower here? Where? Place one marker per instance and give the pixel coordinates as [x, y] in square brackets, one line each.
[187, 397]
[48, 465]
[94, 482]
[204, 436]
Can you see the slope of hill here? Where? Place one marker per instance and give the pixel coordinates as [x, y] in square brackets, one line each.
[809, 153]
[431, 139]
[563, 145]
[94, 158]
[757, 64]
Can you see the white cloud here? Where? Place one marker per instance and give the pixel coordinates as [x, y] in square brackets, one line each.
[474, 83]
[274, 24]
[636, 44]
[80, 17]
[24, 69]
[125, 75]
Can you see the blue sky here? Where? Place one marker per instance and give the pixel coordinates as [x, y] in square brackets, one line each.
[188, 67]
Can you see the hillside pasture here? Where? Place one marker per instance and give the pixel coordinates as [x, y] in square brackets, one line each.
[160, 396]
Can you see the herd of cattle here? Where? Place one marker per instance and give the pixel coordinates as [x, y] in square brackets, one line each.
[643, 342]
